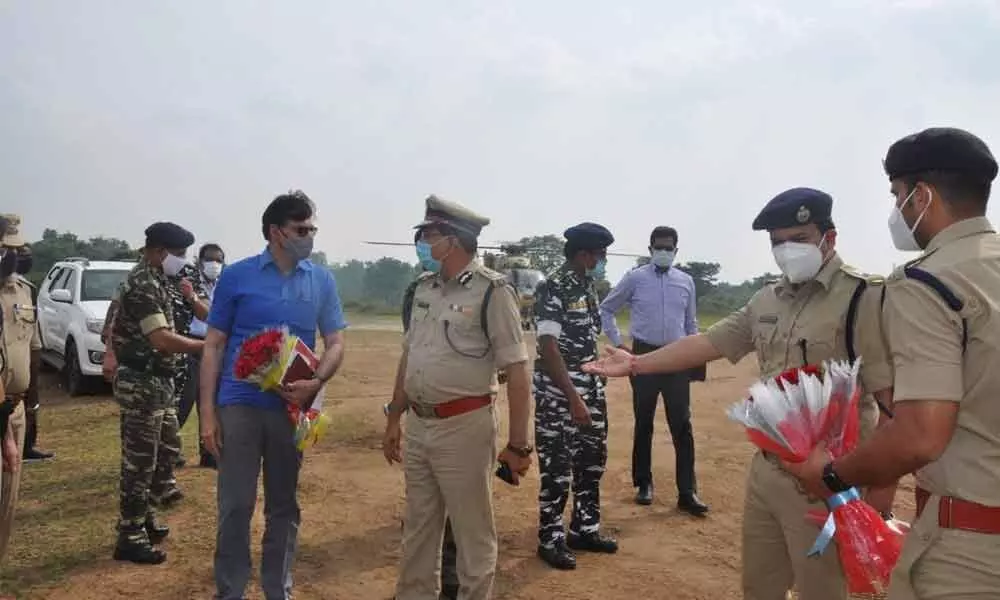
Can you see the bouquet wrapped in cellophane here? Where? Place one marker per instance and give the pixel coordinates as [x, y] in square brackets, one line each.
[789, 416]
[274, 358]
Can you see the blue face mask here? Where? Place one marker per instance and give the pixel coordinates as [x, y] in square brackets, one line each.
[427, 261]
[598, 271]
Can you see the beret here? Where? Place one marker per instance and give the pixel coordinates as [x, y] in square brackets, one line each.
[589, 236]
[168, 235]
[941, 149]
[10, 232]
[443, 212]
[794, 207]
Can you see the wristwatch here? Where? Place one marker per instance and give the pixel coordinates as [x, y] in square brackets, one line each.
[832, 481]
[387, 408]
[523, 452]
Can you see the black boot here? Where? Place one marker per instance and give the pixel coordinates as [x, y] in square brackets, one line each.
[691, 504]
[133, 546]
[558, 557]
[645, 494]
[167, 500]
[592, 542]
[449, 592]
[157, 532]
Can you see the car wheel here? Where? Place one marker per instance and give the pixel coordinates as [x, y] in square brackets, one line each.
[75, 379]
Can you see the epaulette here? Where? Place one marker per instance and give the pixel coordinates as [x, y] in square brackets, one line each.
[866, 277]
[25, 281]
[425, 276]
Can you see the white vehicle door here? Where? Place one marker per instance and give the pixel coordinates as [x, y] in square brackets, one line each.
[61, 310]
[48, 309]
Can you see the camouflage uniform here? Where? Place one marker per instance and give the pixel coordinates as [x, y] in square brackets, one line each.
[164, 485]
[144, 389]
[565, 451]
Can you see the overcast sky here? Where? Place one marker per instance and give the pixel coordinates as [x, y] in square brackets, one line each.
[538, 114]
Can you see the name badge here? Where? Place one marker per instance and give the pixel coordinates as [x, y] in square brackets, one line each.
[769, 319]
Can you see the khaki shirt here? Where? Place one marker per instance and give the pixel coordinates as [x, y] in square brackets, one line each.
[780, 318]
[20, 334]
[448, 356]
[925, 337]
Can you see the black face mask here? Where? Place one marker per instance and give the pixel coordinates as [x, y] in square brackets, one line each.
[24, 264]
[8, 264]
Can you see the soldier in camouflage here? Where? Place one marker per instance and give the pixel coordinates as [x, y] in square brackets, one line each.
[146, 346]
[571, 428]
[188, 299]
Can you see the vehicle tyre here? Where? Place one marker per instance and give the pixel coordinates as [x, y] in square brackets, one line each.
[76, 384]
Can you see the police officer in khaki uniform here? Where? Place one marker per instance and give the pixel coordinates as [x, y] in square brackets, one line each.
[447, 382]
[20, 338]
[821, 309]
[942, 319]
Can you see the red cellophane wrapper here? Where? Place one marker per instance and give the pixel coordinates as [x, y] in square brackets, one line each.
[789, 416]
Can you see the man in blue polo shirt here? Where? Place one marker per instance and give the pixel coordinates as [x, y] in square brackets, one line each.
[243, 426]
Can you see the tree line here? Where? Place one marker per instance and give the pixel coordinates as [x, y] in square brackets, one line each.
[378, 286]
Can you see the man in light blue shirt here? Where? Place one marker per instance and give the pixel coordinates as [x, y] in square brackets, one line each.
[278, 287]
[662, 302]
[211, 259]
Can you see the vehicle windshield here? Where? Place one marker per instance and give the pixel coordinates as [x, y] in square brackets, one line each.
[101, 284]
[525, 280]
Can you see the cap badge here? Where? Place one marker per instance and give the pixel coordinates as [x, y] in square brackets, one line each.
[802, 216]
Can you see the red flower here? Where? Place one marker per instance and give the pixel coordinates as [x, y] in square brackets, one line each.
[256, 352]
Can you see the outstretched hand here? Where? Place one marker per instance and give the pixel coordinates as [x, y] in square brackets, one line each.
[617, 362]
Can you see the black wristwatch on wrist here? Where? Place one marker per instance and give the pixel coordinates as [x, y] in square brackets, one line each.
[523, 451]
[832, 481]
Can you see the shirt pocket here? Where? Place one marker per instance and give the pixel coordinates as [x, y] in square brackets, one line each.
[764, 334]
[464, 331]
[823, 339]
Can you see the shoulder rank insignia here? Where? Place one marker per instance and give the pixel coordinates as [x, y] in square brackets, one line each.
[868, 277]
[465, 278]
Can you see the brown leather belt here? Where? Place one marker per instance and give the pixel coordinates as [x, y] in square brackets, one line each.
[451, 408]
[955, 513]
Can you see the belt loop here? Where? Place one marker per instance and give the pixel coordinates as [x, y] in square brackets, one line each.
[950, 513]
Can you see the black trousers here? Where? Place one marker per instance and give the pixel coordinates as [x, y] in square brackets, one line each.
[675, 388]
[191, 399]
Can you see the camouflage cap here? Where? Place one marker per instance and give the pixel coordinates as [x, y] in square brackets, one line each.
[443, 212]
[12, 232]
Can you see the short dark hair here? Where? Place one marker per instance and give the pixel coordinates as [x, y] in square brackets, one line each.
[956, 188]
[208, 248]
[293, 206]
[663, 232]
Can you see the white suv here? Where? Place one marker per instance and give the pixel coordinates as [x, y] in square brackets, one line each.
[72, 302]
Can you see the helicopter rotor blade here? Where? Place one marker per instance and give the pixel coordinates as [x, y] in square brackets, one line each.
[390, 243]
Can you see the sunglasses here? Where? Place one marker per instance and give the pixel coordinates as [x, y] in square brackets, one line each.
[304, 230]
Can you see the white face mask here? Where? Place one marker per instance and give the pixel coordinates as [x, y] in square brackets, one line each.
[211, 269]
[172, 265]
[902, 234]
[663, 258]
[798, 261]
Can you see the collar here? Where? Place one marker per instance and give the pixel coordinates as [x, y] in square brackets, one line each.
[266, 258]
[824, 277]
[464, 274]
[959, 230]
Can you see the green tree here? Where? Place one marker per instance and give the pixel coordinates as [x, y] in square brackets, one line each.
[705, 275]
[55, 246]
[386, 280]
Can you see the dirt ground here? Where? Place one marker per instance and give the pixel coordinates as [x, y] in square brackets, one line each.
[352, 503]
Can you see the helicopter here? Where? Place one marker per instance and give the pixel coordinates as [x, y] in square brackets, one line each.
[514, 261]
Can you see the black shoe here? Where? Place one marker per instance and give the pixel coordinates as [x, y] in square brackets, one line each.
[208, 462]
[167, 500]
[592, 542]
[449, 592]
[180, 462]
[558, 557]
[156, 532]
[645, 494]
[690, 504]
[35, 455]
[134, 546]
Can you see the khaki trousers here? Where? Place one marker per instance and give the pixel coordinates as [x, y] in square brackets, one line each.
[777, 538]
[448, 465]
[10, 483]
[946, 563]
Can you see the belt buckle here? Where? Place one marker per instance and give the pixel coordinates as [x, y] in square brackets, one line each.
[423, 411]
